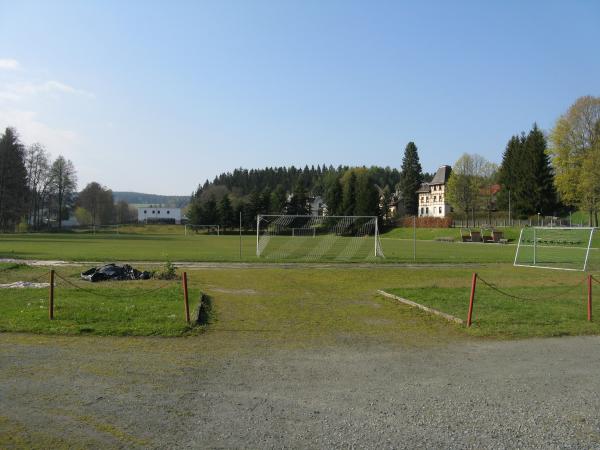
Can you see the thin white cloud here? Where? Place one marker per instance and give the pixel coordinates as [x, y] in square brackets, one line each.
[32, 129]
[9, 64]
[17, 91]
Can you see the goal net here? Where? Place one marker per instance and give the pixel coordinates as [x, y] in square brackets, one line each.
[312, 238]
[202, 229]
[554, 248]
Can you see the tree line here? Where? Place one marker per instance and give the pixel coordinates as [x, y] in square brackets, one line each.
[38, 192]
[289, 190]
[547, 174]
[34, 189]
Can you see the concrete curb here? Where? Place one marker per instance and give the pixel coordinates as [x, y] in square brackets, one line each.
[449, 317]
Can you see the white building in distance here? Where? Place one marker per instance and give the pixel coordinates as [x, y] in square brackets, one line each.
[149, 214]
[432, 195]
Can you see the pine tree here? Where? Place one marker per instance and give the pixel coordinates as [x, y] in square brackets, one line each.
[508, 176]
[298, 204]
[526, 172]
[542, 190]
[13, 183]
[411, 178]
[277, 200]
[226, 218]
[333, 195]
[367, 196]
[211, 214]
[349, 195]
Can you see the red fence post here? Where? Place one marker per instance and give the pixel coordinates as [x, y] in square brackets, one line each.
[51, 299]
[185, 297]
[473, 285]
[589, 280]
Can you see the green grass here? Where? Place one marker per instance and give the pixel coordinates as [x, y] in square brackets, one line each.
[145, 247]
[555, 304]
[156, 243]
[311, 306]
[510, 233]
[107, 308]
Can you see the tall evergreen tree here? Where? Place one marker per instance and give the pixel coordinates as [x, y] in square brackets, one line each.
[298, 203]
[367, 196]
[253, 208]
[13, 180]
[333, 195]
[226, 218]
[411, 178]
[211, 213]
[278, 200]
[527, 174]
[349, 195]
[543, 197]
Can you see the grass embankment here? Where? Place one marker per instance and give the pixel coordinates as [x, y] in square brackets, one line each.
[151, 307]
[551, 303]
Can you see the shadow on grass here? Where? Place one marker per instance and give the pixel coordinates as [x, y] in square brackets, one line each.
[203, 315]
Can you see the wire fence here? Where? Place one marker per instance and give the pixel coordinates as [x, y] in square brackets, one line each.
[101, 294]
[52, 279]
[561, 293]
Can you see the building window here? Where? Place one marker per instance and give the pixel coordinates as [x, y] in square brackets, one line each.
[427, 210]
[440, 209]
[153, 212]
[168, 212]
[435, 198]
[421, 211]
[145, 211]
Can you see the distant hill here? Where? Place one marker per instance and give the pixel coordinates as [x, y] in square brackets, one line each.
[133, 198]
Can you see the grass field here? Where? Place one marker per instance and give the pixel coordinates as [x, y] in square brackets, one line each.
[226, 248]
[177, 247]
[310, 305]
[152, 307]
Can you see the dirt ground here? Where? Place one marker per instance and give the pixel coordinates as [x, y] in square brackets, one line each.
[354, 371]
[171, 393]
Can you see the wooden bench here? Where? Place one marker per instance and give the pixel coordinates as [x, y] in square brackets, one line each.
[476, 236]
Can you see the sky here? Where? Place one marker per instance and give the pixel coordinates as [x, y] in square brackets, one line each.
[157, 97]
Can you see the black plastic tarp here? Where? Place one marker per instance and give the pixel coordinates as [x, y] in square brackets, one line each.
[114, 272]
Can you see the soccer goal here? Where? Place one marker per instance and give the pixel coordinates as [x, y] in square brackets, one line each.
[313, 238]
[554, 248]
[202, 229]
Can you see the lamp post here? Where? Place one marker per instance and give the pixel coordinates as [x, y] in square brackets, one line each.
[538, 219]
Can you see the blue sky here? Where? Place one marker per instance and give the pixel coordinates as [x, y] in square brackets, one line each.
[158, 96]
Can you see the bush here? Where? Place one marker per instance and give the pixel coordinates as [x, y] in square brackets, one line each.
[169, 272]
[428, 222]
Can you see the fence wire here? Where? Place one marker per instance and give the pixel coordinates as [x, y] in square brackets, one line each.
[30, 280]
[100, 294]
[518, 297]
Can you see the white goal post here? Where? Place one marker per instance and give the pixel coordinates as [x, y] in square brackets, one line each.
[312, 238]
[559, 248]
[208, 228]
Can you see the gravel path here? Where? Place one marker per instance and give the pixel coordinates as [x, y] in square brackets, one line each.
[241, 265]
[177, 393]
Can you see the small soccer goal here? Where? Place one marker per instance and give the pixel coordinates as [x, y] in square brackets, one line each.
[202, 229]
[313, 238]
[554, 248]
